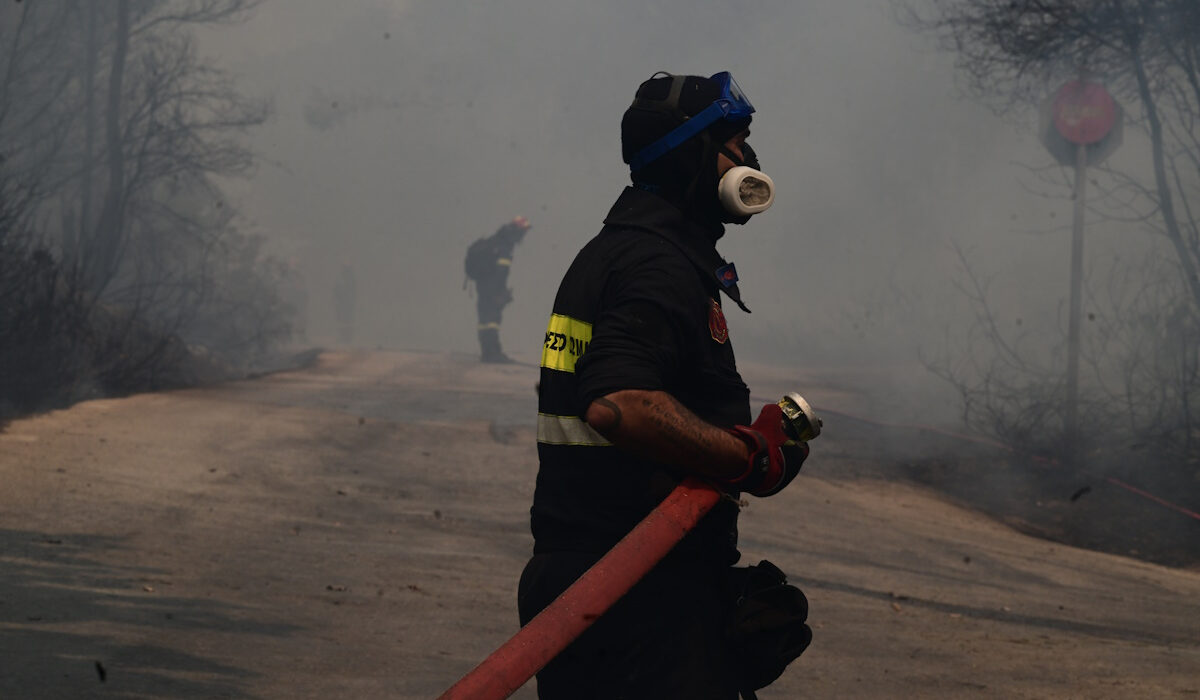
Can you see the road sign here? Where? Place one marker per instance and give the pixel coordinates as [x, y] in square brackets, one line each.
[1084, 113]
[1081, 126]
[1081, 114]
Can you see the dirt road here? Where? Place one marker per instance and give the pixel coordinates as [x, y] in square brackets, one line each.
[356, 529]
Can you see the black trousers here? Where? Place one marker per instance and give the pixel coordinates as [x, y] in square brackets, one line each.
[490, 306]
[666, 638]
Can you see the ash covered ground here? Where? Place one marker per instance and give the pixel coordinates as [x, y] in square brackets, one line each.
[356, 529]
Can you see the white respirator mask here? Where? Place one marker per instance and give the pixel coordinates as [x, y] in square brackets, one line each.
[745, 191]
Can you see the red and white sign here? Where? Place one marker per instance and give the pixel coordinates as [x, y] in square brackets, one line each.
[1084, 113]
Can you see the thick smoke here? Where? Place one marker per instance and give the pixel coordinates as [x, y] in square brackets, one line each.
[405, 130]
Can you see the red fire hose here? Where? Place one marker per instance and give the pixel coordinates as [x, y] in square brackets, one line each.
[515, 662]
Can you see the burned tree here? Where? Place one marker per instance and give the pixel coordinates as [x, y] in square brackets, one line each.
[113, 130]
[1012, 53]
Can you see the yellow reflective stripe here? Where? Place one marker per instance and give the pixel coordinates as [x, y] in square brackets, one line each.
[567, 430]
[566, 340]
[505, 262]
[486, 326]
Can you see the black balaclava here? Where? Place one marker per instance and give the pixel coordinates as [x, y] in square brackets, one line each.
[686, 176]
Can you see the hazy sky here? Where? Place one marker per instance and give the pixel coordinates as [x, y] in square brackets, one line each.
[451, 117]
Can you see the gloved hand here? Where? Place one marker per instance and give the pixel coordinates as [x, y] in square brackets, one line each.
[775, 458]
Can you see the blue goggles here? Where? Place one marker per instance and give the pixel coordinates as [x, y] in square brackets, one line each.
[732, 105]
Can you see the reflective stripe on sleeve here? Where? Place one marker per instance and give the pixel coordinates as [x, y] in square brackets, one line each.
[489, 326]
[504, 262]
[567, 430]
[566, 340]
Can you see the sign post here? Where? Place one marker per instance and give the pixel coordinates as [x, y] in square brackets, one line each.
[1080, 126]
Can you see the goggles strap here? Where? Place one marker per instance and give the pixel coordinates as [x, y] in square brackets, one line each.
[681, 133]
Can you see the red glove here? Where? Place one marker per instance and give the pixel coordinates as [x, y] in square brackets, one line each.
[775, 458]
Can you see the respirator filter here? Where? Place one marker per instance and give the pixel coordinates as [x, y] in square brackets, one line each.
[745, 191]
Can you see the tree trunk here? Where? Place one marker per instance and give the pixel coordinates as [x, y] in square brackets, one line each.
[1166, 202]
[89, 130]
[108, 235]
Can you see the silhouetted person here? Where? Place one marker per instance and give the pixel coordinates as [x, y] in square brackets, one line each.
[487, 263]
[294, 290]
[345, 290]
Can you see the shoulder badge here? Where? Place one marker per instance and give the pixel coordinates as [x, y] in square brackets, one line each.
[727, 275]
[716, 322]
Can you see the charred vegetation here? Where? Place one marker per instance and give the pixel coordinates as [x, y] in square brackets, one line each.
[1139, 354]
[122, 265]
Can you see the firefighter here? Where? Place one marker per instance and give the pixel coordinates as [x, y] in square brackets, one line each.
[345, 296]
[639, 389]
[487, 263]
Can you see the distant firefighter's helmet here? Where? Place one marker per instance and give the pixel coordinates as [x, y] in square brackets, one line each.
[514, 230]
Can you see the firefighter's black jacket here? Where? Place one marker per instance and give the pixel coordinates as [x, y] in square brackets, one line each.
[639, 308]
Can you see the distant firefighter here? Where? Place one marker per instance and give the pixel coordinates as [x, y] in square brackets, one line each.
[345, 290]
[294, 291]
[487, 263]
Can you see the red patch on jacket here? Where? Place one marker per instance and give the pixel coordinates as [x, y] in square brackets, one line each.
[716, 322]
